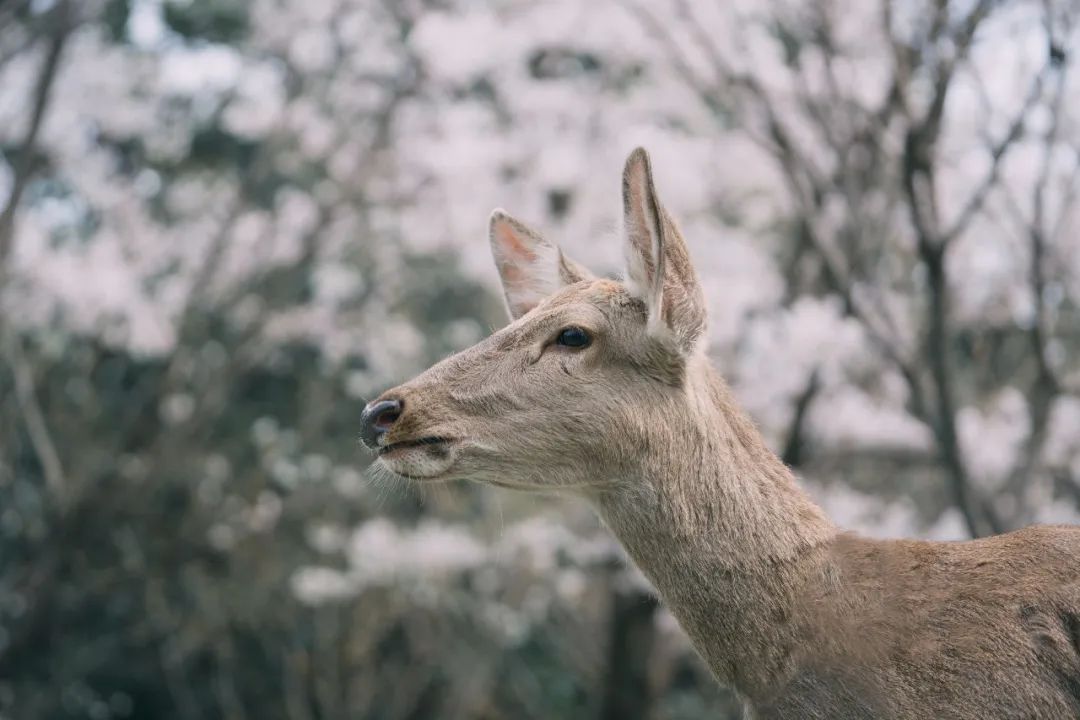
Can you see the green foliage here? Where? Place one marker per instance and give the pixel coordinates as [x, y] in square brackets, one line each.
[220, 21]
[114, 17]
[214, 147]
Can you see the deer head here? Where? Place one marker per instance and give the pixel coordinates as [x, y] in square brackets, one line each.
[588, 373]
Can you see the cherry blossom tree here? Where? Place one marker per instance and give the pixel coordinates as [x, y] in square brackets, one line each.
[224, 225]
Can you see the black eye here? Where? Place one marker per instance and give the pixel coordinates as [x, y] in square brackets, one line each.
[573, 337]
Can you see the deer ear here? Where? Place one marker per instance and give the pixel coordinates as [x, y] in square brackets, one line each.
[530, 267]
[658, 267]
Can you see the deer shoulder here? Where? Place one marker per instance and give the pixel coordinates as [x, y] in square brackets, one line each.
[912, 629]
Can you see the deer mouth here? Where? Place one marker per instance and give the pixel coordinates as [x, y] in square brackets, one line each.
[426, 458]
[420, 442]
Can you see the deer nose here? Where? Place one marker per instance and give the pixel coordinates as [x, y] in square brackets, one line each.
[377, 419]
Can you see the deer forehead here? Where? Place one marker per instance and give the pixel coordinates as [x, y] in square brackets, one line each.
[591, 303]
[604, 295]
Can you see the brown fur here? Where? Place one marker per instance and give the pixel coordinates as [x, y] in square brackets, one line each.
[801, 619]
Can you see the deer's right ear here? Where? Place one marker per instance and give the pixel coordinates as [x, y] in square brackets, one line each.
[658, 267]
[530, 267]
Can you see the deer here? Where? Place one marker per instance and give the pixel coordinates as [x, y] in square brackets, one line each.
[602, 389]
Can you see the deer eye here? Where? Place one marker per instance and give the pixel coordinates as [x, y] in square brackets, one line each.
[573, 337]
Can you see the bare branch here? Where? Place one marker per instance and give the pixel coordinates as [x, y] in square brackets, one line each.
[810, 189]
[1046, 386]
[807, 184]
[1069, 200]
[792, 454]
[980, 517]
[34, 419]
[919, 183]
[676, 57]
[921, 143]
[32, 415]
[997, 153]
[23, 166]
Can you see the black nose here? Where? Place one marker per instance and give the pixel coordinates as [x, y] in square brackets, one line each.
[377, 419]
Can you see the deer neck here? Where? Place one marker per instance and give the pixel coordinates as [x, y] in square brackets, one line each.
[717, 523]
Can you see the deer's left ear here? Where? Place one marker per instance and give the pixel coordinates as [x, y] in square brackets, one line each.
[658, 267]
[530, 267]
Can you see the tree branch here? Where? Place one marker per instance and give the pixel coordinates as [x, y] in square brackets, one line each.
[948, 42]
[34, 419]
[32, 415]
[997, 153]
[980, 518]
[23, 165]
[919, 184]
[676, 57]
[792, 454]
[1046, 386]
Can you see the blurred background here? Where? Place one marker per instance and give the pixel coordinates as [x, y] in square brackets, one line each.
[225, 224]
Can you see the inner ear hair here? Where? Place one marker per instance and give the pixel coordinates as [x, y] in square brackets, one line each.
[646, 234]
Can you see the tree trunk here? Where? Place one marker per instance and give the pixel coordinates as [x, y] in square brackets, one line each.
[626, 688]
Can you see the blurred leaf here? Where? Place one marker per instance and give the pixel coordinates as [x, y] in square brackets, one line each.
[115, 18]
[220, 21]
[214, 147]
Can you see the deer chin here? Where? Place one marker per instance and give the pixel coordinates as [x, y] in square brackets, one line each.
[428, 458]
